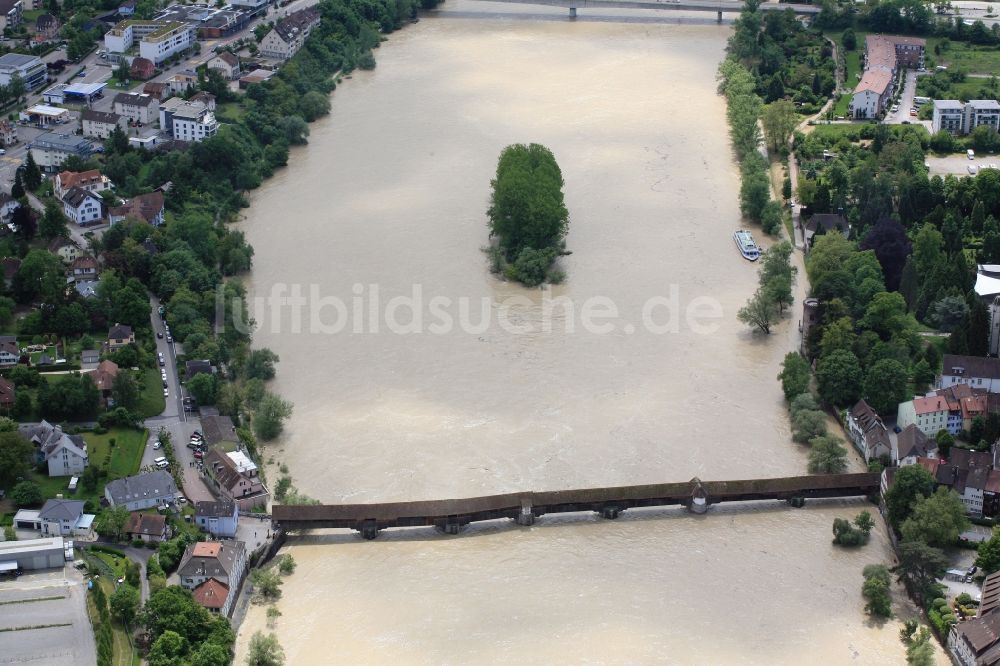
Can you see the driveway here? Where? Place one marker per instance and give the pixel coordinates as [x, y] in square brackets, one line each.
[59, 600]
[138, 555]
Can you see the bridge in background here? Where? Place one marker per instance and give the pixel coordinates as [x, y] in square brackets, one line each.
[665, 5]
[453, 514]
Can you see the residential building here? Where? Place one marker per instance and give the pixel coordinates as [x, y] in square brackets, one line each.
[157, 89]
[867, 431]
[148, 527]
[187, 120]
[224, 561]
[120, 336]
[31, 69]
[51, 149]
[142, 491]
[289, 34]
[912, 444]
[99, 124]
[222, 473]
[976, 642]
[10, 354]
[10, 13]
[92, 181]
[220, 518]
[138, 108]
[825, 223]
[929, 413]
[65, 249]
[967, 473]
[142, 69]
[57, 517]
[202, 367]
[256, 76]
[85, 268]
[65, 454]
[213, 596]
[8, 133]
[158, 40]
[959, 118]
[90, 357]
[47, 26]
[104, 378]
[83, 207]
[218, 428]
[144, 208]
[227, 64]
[204, 97]
[976, 371]
[32, 554]
[182, 82]
[883, 57]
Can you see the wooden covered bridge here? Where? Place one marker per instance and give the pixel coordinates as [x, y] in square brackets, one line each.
[451, 515]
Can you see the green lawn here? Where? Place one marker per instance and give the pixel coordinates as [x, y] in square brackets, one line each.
[230, 111]
[151, 400]
[31, 15]
[126, 454]
[972, 58]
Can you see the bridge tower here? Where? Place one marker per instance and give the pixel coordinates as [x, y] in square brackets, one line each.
[526, 517]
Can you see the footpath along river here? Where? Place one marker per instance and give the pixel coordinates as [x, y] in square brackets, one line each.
[391, 192]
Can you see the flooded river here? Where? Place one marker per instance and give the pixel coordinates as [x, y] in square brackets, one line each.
[378, 224]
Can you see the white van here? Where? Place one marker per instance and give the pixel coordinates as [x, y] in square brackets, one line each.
[971, 155]
[161, 462]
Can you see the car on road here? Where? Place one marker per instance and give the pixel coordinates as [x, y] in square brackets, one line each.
[159, 335]
[895, 108]
[170, 340]
[913, 112]
[973, 170]
[156, 444]
[166, 393]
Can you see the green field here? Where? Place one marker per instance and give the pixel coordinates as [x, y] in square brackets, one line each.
[151, 400]
[230, 112]
[972, 58]
[126, 454]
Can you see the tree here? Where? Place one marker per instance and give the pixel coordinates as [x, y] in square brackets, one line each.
[937, 520]
[826, 455]
[920, 566]
[839, 377]
[849, 40]
[526, 205]
[24, 222]
[125, 390]
[26, 493]
[875, 590]
[287, 565]
[266, 583]
[264, 651]
[124, 603]
[807, 424]
[112, 521]
[117, 142]
[794, 375]
[864, 522]
[15, 458]
[892, 247]
[53, 223]
[846, 535]
[759, 311]
[32, 174]
[779, 119]
[168, 650]
[909, 483]
[988, 558]
[272, 615]
[269, 417]
[17, 189]
[920, 652]
[202, 388]
[886, 385]
[211, 654]
[260, 364]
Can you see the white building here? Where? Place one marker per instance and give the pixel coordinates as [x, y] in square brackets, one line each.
[158, 40]
[66, 455]
[57, 517]
[143, 491]
[50, 150]
[957, 118]
[137, 108]
[187, 121]
[867, 431]
[10, 13]
[289, 34]
[99, 124]
[928, 414]
[83, 207]
[31, 69]
[975, 371]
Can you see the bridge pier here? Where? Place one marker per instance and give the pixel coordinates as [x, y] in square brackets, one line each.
[610, 512]
[718, 16]
[572, 12]
[797, 502]
[452, 527]
[527, 517]
[369, 530]
[699, 498]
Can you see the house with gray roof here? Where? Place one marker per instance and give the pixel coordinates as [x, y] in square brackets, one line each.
[142, 491]
[57, 517]
[911, 444]
[224, 561]
[66, 455]
[219, 518]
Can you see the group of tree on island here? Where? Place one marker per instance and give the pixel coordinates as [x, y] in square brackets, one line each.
[527, 215]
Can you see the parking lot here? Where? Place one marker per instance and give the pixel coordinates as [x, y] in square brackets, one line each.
[959, 163]
[55, 603]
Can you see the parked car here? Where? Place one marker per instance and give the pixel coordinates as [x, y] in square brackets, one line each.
[199, 455]
[159, 335]
[166, 393]
[156, 444]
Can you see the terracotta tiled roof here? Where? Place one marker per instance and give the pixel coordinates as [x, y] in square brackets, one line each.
[211, 594]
